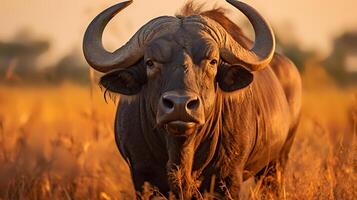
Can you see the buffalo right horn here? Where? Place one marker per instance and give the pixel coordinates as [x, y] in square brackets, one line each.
[264, 46]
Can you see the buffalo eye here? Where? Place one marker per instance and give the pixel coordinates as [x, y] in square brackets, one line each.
[149, 63]
[213, 62]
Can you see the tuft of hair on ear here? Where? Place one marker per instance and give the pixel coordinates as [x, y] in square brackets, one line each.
[115, 97]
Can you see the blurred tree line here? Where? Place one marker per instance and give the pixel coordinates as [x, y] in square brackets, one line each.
[19, 60]
[341, 63]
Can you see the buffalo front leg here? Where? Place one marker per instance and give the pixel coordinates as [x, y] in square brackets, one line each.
[270, 180]
[148, 178]
[229, 187]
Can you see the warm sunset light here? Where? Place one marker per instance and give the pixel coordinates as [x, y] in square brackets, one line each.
[201, 114]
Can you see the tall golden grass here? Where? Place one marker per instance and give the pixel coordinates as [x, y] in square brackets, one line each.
[57, 142]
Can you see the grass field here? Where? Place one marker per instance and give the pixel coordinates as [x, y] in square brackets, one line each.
[56, 142]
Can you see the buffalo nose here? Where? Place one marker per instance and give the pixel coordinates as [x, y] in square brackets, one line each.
[179, 103]
[174, 102]
[180, 111]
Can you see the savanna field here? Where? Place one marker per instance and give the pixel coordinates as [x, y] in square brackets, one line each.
[57, 142]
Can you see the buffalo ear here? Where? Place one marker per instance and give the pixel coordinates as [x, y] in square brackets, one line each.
[125, 81]
[233, 77]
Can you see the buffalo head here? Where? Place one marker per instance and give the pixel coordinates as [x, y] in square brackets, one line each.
[180, 63]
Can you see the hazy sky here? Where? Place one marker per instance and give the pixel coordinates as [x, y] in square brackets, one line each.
[312, 22]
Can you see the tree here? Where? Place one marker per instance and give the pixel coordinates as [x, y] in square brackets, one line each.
[23, 49]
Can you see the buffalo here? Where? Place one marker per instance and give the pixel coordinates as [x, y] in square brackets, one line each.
[202, 107]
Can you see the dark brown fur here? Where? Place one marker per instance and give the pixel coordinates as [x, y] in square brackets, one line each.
[249, 129]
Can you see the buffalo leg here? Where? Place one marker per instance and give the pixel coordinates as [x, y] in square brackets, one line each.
[156, 182]
[271, 179]
[229, 188]
[273, 175]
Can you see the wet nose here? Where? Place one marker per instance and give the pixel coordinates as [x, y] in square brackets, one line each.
[179, 103]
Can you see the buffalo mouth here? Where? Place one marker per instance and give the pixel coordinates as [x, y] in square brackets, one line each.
[181, 128]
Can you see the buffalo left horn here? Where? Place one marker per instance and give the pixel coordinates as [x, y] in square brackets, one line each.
[127, 55]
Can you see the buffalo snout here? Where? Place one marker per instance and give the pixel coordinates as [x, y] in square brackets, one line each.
[180, 112]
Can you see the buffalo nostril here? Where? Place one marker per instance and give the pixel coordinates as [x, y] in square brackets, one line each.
[192, 104]
[167, 103]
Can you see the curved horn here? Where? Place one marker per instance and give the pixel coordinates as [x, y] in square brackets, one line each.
[127, 55]
[264, 46]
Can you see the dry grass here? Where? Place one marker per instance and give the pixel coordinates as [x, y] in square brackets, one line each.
[57, 143]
